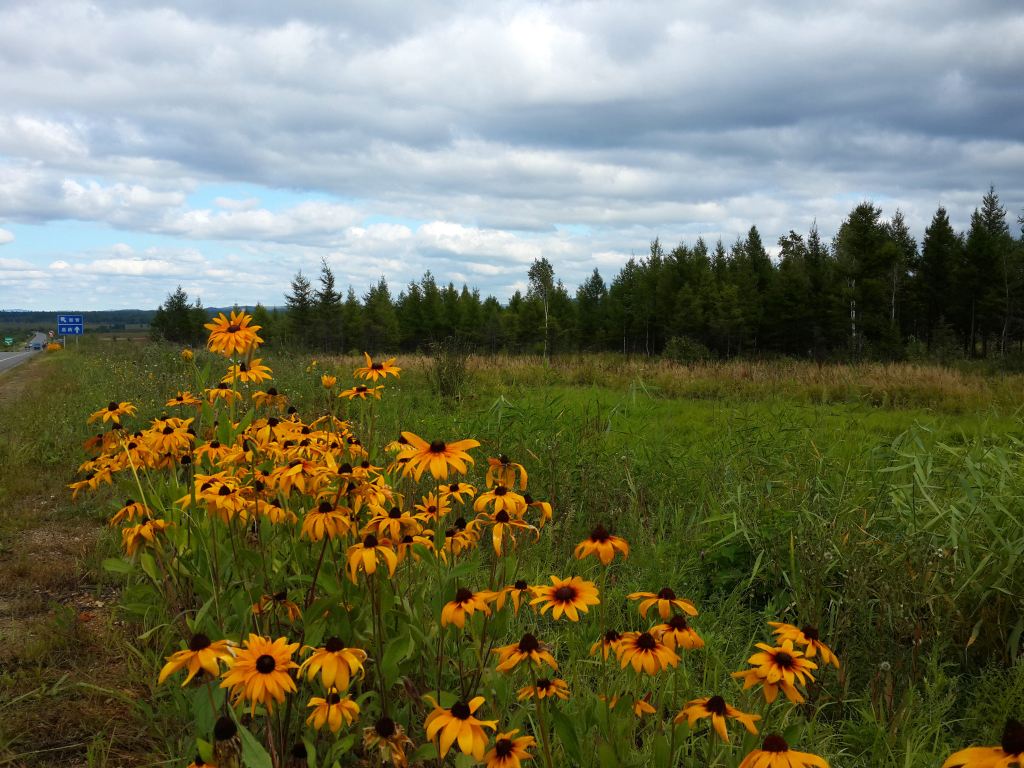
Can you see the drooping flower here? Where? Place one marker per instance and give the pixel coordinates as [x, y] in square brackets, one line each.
[529, 648]
[390, 741]
[232, 336]
[201, 653]
[665, 600]
[808, 637]
[253, 372]
[277, 602]
[465, 603]
[326, 520]
[259, 673]
[327, 381]
[336, 664]
[135, 536]
[502, 470]
[775, 753]
[458, 725]
[677, 633]
[645, 653]
[504, 526]
[545, 688]
[568, 596]
[366, 555]
[602, 545]
[609, 643]
[776, 668]
[183, 398]
[715, 708]
[332, 710]
[361, 392]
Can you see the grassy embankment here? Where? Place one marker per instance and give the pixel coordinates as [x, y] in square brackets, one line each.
[879, 502]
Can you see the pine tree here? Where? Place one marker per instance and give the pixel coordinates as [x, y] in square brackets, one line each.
[327, 312]
[300, 311]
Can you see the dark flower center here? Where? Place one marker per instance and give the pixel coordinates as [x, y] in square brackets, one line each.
[243, 368]
[198, 643]
[775, 743]
[325, 507]
[528, 498]
[811, 633]
[666, 594]
[333, 645]
[132, 445]
[460, 523]
[501, 517]
[385, 727]
[168, 430]
[233, 329]
[401, 440]
[180, 398]
[611, 636]
[646, 642]
[599, 534]
[543, 684]
[112, 406]
[461, 710]
[265, 664]
[280, 597]
[224, 491]
[395, 513]
[565, 594]
[520, 585]
[783, 660]
[1013, 738]
[377, 367]
[360, 389]
[501, 490]
[364, 464]
[370, 542]
[503, 459]
[273, 393]
[214, 444]
[716, 706]
[503, 747]
[198, 761]
[529, 643]
[222, 385]
[407, 539]
[463, 595]
[224, 729]
[437, 446]
[678, 623]
[129, 501]
[272, 422]
[333, 698]
[345, 469]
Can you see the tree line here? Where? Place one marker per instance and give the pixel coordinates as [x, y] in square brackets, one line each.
[873, 291]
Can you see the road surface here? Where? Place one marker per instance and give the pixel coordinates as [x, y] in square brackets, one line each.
[10, 359]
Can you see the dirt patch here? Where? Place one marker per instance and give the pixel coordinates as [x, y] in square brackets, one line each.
[14, 382]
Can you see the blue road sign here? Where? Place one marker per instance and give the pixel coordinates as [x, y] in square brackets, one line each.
[70, 330]
[70, 320]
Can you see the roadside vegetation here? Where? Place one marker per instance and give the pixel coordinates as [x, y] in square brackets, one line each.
[877, 503]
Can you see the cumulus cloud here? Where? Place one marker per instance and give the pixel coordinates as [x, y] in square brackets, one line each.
[497, 132]
[6, 236]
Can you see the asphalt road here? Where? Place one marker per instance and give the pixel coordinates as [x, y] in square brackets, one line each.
[19, 355]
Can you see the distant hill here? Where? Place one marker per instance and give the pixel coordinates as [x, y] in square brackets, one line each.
[103, 320]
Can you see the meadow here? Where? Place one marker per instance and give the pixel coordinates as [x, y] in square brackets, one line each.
[878, 504]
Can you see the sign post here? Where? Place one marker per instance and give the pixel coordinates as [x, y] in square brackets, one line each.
[70, 325]
[8, 340]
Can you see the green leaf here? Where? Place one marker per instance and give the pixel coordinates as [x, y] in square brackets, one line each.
[117, 565]
[660, 747]
[148, 563]
[253, 753]
[606, 756]
[310, 751]
[792, 734]
[566, 731]
[205, 750]
[464, 761]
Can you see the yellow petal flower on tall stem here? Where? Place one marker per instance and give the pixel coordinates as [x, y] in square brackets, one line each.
[367, 554]
[807, 637]
[775, 753]
[545, 688]
[716, 708]
[373, 371]
[202, 654]
[1009, 753]
[332, 710]
[529, 648]
[260, 673]
[437, 456]
[388, 738]
[645, 653]
[509, 751]
[113, 412]
[665, 600]
[602, 545]
[232, 336]
[465, 604]
[458, 725]
[336, 664]
[569, 596]
[776, 668]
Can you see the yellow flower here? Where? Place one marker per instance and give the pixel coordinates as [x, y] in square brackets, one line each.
[508, 751]
[808, 636]
[437, 456]
[465, 604]
[253, 372]
[201, 654]
[568, 596]
[601, 544]
[503, 471]
[335, 663]
[260, 672]
[365, 555]
[326, 520]
[776, 668]
[113, 412]
[234, 336]
[645, 653]
[327, 381]
[545, 688]
[714, 707]
[274, 602]
[608, 643]
[677, 633]
[390, 741]
[373, 371]
[1009, 754]
[529, 648]
[332, 711]
[361, 393]
[666, 600]
[775, 753]
[186, 355]
[458, 725]
[183, 398]
[135, 536]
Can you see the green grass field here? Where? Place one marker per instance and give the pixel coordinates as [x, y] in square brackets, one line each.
[881, 504]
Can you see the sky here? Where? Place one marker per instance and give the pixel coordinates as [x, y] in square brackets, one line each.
[226, 146]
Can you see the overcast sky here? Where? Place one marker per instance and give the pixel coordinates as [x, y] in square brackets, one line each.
[226, 145]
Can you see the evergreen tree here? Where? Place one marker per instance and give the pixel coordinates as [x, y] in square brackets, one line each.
[178, 321]
[590, 307]
[380, 322]
[300, 311]
[327, 312]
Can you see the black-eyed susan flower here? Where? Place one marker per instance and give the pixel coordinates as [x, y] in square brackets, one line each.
[568, 596]
[437, 456]
[202, 653]
[253, 372]
[222, 391]
[465, 603]
[277, 602]
[529, 648]
[516, 592]
[456, 491]
[501, 470]
[389, 739]
[500, 498]
[373, 371]
[665, 600]
[260, 673]
[227, 744]
[113, 412]
[602, 545]
[392, 524]
[332, 710]
[509, 751]
[677, 633]
[434, 507]
[608, 643]
[1009, 753]
[271, 398]
[775, 753]
[367, 554]
[776, 668]
[807, 637]
[213, 451]
[132, 510]
[642, 706]
[327, 381]
[543, 509]
[545, 688]
[458, 725]
[336, 663]
[715, 708]
[198, 762]
[136, 536]
[504, 526]
[232, 336]
[645, 653]
[183, 398]
[326, 520]
[361, 392]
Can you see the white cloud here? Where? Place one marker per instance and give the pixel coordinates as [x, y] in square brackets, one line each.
[6, 236]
